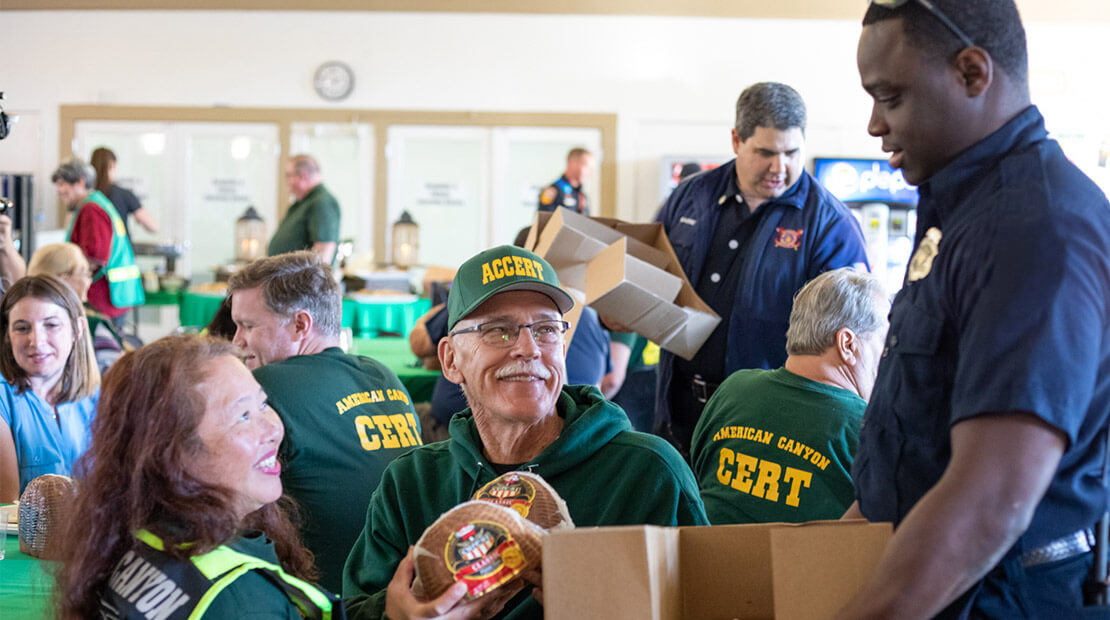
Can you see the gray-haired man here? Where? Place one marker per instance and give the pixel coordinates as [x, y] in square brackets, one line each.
[346, 416]
[749, 234]
[777, 445]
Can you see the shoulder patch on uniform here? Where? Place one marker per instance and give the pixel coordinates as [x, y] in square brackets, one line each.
[548, 195]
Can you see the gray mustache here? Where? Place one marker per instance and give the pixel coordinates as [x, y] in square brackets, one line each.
[523, 368]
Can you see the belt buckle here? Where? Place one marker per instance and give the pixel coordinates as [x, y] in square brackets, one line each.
[700, 388]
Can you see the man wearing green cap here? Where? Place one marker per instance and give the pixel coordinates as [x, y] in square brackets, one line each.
[506, 348]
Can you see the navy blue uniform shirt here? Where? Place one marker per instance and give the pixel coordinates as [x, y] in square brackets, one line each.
[562, 194]
[800, 235]
[1011, 315]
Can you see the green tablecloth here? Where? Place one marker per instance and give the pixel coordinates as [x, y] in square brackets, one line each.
[198, 308]
[25, 587]
[365, 316]
[368, 317]
[163, 299]
[395, 353]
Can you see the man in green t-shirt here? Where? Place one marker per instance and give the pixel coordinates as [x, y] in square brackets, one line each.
[346, 416]
[312, 222]
[777, 445]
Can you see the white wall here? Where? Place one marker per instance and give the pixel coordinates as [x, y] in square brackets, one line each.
[671, 81]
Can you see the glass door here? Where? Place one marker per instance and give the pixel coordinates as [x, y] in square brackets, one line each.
[228, 167]
[345, 152]
[527, 159]
[440, 175]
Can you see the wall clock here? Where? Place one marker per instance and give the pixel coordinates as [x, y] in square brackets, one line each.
[333, 80]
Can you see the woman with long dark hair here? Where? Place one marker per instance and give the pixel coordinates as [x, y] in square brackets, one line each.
[181, 481]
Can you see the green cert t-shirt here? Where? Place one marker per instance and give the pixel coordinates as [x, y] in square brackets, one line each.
[346, 417]
[773, 446]
[314, 218]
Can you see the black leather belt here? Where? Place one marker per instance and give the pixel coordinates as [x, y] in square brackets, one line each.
[702, 389]
[1076, 543]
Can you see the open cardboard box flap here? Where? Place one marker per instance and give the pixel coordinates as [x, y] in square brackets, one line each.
[629, 273]
[757, 571]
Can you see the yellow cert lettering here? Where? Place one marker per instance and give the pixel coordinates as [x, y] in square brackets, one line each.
[363, 423]
[412, 424]
[385, 428]
[507, 265]
[404, 432]
[797, 479]
[767, 486]
[745, 465]
[487, 273]
[518, 266]
[497, 271]
[539, 268]
[724, 473]
[528, 269]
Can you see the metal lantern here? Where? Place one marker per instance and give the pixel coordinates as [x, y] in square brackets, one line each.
[406, 241]
[250, 235]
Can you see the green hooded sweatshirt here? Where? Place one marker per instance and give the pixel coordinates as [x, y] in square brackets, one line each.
[607, 473]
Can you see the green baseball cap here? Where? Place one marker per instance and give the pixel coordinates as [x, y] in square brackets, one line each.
[504, 268]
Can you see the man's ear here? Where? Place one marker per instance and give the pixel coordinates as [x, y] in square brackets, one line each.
[847, 343]
[736, 141]
[302, 323]
[976, 67]
[447, 358]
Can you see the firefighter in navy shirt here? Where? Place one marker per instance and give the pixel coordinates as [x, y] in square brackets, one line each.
[985, 437]
[749, 234]
[567, 190]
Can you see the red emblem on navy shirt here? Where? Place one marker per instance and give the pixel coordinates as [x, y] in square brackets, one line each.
[789, 239]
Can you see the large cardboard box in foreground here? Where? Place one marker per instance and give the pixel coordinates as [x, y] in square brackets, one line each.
[759, 571]
[627, 272]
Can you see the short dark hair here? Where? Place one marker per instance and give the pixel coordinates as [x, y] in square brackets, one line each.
[291, 282]
[769, 104]
[993, 25]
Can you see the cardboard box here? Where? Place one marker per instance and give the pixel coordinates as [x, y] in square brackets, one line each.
[629, 273]
[748, 572]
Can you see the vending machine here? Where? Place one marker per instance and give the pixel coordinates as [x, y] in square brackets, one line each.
[885, 206]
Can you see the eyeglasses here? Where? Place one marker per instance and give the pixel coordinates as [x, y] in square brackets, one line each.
[501, 334]
[928, 6]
